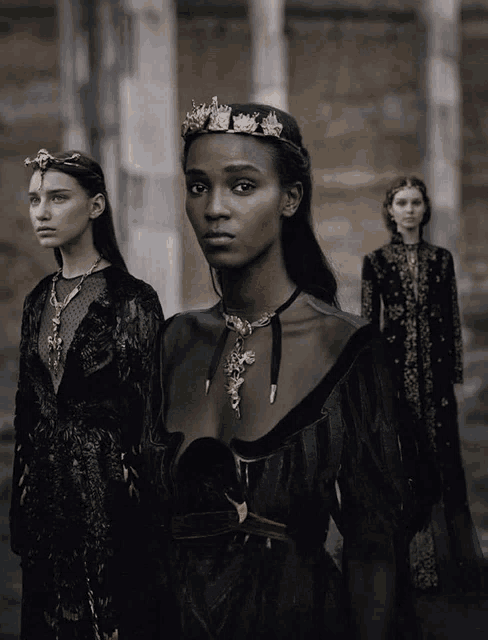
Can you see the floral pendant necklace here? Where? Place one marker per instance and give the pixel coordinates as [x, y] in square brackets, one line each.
[234, 368]
[54, 342]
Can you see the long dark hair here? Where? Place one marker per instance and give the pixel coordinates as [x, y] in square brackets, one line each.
[405, 182]
[305, 262]
[89, 175]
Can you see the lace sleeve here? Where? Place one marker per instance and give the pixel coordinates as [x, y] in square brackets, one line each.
[370, 296]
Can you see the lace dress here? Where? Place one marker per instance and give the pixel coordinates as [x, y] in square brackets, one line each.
[417, 311]
[74, 505]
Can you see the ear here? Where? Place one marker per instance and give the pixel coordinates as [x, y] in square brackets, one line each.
[291, 199]
[97, 204]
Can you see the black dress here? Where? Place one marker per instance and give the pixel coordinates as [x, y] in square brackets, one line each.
[240, 527]
[74, 501]
[419, 318]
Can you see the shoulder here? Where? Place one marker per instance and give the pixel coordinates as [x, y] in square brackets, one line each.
[336, 316]
[125, 288]
[38, 290]
[196, 324]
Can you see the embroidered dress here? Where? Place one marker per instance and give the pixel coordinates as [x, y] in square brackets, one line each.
[241, 524]
[421, 325]
[74, 503]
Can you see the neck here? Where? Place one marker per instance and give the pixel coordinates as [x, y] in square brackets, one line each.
[410, 236]
[77, 260]
[255, 289]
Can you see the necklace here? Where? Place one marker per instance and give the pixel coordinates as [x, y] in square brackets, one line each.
[234, 363]
[54, 342]
[411, 254]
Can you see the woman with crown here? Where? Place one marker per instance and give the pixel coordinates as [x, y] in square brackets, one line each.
[88, 336]
[409, 292]
[276, 413]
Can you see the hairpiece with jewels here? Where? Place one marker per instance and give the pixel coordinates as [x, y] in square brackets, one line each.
[215, 118]
[44, 160]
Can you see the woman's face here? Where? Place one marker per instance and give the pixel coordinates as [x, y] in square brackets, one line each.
[407, 209]
[60, 210]
[234, 199]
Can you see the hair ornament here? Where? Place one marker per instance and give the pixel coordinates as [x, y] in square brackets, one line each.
[44, 160]
[244, 123]
[218, 118]
[271, 126]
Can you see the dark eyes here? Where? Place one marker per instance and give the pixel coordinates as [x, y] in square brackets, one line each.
[402, 203]
[57, 198]
[243, 187]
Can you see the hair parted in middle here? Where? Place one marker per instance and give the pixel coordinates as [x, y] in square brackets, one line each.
[89, 175]
[405, 182]
[306, 264]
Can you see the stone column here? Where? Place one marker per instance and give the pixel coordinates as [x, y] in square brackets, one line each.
[149, 150]
[74, 74]
[106, 99]
[444, 113]
[269, 52]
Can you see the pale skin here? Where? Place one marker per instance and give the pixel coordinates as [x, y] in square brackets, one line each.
[62, 215]
[407, 210]
[236, 206]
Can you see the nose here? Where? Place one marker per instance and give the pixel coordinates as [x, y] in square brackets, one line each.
[42, 211]
[216, 205]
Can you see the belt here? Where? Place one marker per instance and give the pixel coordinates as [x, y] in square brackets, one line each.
[214, 523]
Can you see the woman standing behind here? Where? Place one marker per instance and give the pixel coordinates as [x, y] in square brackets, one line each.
[409, 290]
[88, 335]
[269, 397]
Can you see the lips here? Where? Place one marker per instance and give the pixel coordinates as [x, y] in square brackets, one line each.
[218, 234]
[218, 238]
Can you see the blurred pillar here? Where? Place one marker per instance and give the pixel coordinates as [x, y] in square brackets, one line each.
[444, 113]
[74, 72]
[269, 52]
[149, 150]
[106, 98]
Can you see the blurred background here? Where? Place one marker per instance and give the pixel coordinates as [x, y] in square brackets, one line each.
[379, 89]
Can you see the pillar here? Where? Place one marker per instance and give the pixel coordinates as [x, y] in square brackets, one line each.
[107, 104]
[74, 74]
[444, 112]
[150, 150]
[269, 52]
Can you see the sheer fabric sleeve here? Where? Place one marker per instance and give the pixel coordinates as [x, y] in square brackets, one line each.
[370, 295]
[456, 323]
[373, 494]
[25, 412]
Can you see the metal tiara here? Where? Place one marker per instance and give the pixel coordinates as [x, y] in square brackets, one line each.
[44, 160]
[215, 118]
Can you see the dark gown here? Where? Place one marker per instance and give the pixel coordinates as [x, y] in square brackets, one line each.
[239, 528]
[74, 502]
[420, 321]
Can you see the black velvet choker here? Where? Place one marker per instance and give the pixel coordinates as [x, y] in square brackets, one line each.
[235, 361]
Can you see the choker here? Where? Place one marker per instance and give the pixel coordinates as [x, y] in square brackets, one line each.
[238, 357]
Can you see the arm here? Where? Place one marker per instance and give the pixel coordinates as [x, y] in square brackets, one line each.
[25, 407]
[370, 295]
[456, 324]
[373, 494]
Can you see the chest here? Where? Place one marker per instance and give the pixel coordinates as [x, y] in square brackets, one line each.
[306, 359]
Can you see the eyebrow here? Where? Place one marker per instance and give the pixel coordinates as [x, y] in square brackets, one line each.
[233, 168]
[50, 191]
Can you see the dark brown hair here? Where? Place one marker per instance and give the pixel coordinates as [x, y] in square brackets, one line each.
[89, 175]
[405, 182]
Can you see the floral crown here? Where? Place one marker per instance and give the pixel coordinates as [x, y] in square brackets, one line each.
[215, 118]
[44, 160]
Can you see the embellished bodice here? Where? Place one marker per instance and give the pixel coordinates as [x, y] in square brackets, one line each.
[92, 289]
